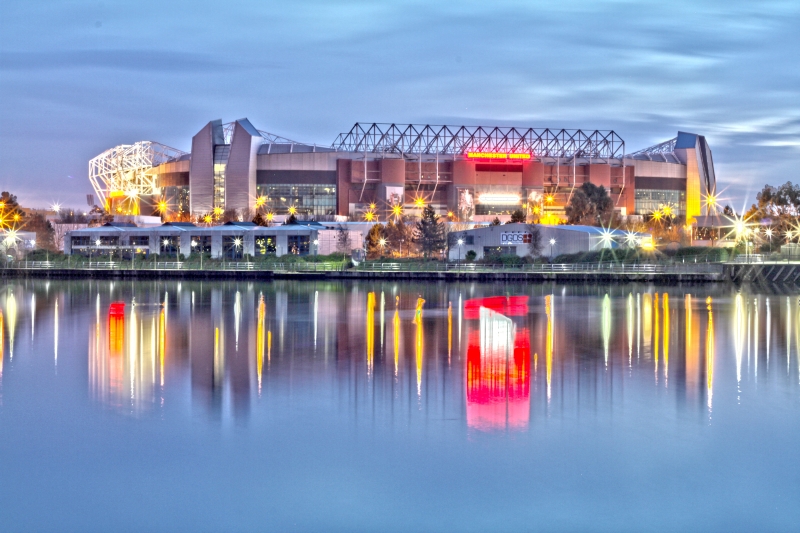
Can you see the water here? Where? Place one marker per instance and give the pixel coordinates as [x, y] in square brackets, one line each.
[292, 406]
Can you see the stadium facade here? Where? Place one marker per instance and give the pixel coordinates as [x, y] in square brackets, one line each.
[468, 173]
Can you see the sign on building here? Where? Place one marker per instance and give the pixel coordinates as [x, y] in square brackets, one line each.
[509, 238]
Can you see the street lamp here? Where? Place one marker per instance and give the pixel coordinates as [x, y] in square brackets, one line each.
[316, 246]
[552, 243]
[460, 242]
[382, 244]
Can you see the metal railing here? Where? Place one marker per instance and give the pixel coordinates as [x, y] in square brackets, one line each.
[382, 266]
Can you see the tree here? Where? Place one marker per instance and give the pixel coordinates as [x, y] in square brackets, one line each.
[430, 233]
[517, 217]
[399, 234]
[536, 244]
[496, 221]
[590, 205]
[10, 212]
[343, 242]
[291, 220]
[44, 231]
[376, 234]
[728, 211]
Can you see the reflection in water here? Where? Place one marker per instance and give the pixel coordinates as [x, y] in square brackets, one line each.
[498, 377]
[11, 321]
[217, 340]
[710, 353]
[606, 325]
[548, 358]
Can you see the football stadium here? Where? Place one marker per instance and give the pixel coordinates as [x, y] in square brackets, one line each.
[376, 171]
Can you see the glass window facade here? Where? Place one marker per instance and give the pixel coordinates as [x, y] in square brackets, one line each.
[649, 200]
[298, 244]
[169, 246]
[81, 241]
[221, 153]
[265, 245]
[201, 244]
[140, 240]
[307, 199]
[233, 246]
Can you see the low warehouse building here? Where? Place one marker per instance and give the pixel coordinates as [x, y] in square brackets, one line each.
[515, 239]
[233, 240]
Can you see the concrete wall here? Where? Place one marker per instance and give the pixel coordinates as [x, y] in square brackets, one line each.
[240, 174]
[201, 174]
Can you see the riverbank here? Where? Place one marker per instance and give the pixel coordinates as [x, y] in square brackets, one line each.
[784, 273]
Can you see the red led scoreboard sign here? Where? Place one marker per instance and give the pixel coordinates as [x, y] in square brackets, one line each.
[497, 155]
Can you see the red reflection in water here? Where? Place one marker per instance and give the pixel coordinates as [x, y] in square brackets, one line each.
[507, 305]
[498, 375]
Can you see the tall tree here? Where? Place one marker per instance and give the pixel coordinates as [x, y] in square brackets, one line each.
[517, 217]
[343, 242]
[376, 234]
[590, 205]
[537, 243]
[430, 233]
[10, 212]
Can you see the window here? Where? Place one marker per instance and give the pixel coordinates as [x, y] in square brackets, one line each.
[265, 245]
[298, 244]
[109, 240]
[169, 245]
[499, 250]
[233, 246]
[80, 241]
[306, 199]
[466, 239]
[649, 200]
[140, 240]
[221, 154]
[201, 244]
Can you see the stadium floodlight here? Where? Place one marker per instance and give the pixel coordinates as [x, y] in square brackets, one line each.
[125, 170]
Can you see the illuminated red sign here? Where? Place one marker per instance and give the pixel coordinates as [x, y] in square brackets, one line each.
[496, 155]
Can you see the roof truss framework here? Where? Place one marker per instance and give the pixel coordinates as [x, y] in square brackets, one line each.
[456, 140]
[663, 152]
[124, 168]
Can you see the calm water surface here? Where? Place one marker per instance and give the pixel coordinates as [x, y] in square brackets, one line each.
[288, 406]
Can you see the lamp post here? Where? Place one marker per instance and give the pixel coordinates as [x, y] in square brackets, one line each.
[460, 242]
[316, 247]
[552, 243]
[382, 244]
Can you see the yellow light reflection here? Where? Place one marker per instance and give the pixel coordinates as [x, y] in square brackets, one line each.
[370, 332]
[647, 319]
[396, 332]
[630, 328]
[162, 341]
[691, 346]
[419, 343]
[656, 332]
[710, 353]
[262, 311]
[666, 337]
[449, 331]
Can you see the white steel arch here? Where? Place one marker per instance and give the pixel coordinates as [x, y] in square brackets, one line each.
[124, 169]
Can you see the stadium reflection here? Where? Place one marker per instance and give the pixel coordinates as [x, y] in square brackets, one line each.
[470, 353]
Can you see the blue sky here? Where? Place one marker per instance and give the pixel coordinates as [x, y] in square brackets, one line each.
[79, 77]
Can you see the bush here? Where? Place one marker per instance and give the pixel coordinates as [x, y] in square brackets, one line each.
[703, 254]
[471, 256]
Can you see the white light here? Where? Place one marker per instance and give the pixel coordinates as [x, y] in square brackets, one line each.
[316, 242]
[194, 243]
[460, 242]
[97, 242]
[499, 199]
[165, 242]
[552, 242]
